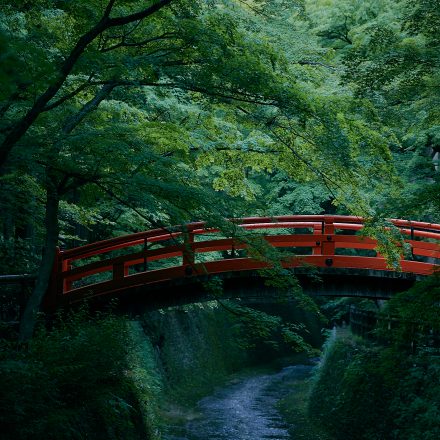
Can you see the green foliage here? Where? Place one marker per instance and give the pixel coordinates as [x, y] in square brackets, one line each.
[417, 404]
[176, 117]
[73, 379]
[388, 52]
[420, 302]
[283, 195]
[337, 310]
[294, 410]
[200, 345]
[197, 348]
[146, 378]
[390, 241]
[258, 328]
[369, 392]
[174, 113]
[208, 110]
[418, 315]
[17, 256]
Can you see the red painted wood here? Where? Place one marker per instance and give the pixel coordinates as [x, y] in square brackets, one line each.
[326, 239]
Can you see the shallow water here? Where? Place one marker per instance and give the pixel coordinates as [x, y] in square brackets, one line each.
[243, 411]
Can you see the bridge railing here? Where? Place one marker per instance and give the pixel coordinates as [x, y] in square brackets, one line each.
[162, 254]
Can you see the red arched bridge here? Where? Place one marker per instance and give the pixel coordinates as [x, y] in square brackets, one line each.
[157, 256]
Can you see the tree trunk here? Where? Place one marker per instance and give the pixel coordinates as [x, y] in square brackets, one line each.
[29, 318]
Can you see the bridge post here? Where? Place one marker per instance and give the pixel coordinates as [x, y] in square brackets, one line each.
[145, 254]
[64, 266]
[318, 229]
[120, 271]
[328, 244]
[188, 253]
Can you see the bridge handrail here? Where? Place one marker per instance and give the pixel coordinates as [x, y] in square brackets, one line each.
[417, 229]
[348, 242]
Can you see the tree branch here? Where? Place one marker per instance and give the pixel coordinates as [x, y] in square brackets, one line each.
[68, 96]
[124, 43]
[91, 105]
[22, 126]
[323, 176]
[109, 8]
[120, 21]
[240, 96]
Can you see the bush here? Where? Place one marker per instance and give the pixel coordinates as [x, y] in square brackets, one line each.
[370, 392]
[71, 383]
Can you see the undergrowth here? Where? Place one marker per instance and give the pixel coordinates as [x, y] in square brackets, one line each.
[78, 380]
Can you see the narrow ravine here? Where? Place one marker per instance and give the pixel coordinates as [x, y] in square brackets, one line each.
[243, 411]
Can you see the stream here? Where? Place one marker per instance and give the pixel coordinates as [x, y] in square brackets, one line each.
[243, 411]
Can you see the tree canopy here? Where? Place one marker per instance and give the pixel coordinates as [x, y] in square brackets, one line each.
[123, 115]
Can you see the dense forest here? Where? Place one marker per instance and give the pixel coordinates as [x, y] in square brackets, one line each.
[119, 116]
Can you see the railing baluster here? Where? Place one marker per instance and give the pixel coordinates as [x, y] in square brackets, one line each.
[145, 254]
[328, 245]
[65, 266]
